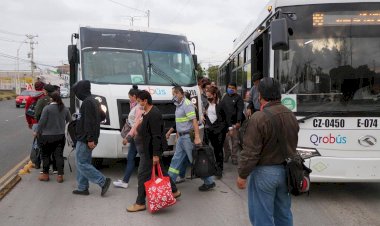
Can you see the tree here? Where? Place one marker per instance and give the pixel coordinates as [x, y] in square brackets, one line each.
[213, 73]
[199, 71]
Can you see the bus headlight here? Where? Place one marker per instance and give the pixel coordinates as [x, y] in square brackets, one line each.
[104, 108]
[307, 153]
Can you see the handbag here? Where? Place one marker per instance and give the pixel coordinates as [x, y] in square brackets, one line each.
[158, 191]
[35, 154]
[125, 130]
[297, 174]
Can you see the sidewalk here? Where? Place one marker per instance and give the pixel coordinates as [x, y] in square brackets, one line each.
[35, 203]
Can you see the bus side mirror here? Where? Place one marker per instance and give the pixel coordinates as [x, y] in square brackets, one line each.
[279, 34]
[72, 53]
[195, 60]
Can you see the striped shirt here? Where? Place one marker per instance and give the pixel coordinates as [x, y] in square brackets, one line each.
[184, 115]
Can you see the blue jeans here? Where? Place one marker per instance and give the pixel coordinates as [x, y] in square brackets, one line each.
[85, 170]
[183, 148]
[268, 199]
[132, 152]
[182, 171]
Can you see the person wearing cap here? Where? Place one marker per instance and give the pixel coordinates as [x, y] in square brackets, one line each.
[43, 100]
[262, 159]
[38, 86]
[253, 102]
[233, 105]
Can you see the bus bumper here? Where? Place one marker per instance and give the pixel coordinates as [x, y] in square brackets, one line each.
[330, 169]
[110, 145]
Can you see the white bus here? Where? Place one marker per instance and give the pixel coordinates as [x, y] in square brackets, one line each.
[326, 55]
[115, 58]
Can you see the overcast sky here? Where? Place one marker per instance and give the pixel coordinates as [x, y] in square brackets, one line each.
[211, 24]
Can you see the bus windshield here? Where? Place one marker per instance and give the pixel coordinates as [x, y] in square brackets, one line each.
[113, 66]
[171, 68]
[333, 63]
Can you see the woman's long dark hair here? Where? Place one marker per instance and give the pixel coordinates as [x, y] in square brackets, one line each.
[57, 98]
[214, 90]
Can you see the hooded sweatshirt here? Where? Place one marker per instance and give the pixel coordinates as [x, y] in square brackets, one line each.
[88, 126]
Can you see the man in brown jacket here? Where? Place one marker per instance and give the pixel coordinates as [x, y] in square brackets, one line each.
[263, 159]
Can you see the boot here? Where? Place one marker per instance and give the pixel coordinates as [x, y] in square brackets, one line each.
[43, 177]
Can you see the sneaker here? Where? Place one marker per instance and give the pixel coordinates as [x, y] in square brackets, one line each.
[120, 184]
[206, 187]
[177, 194]
[105, 186]
[180, 180]
[43, 177]
[79, 192]
[55, 172]
[60, 178]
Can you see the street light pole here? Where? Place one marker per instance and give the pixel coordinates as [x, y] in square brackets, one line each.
[18, 88]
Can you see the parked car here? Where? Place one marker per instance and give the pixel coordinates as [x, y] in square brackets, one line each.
[64, 92]
[23, 97]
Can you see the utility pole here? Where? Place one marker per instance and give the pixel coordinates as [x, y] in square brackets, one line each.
[31, 54]
[148, 15]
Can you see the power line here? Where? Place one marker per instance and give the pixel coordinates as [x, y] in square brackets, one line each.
[10, 33]
[9, 40]
[25, 60]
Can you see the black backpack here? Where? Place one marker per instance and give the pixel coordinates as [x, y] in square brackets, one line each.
[71, 133]
[204, 164]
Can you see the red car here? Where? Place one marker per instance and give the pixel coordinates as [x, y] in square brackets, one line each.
[24, 96]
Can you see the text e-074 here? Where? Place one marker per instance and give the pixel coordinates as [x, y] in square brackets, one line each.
[367, 123]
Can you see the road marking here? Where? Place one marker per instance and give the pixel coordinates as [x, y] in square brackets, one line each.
[14, 169]
[20, 116]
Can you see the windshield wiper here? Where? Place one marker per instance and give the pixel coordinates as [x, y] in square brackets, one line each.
[158, 71]
[302, 120]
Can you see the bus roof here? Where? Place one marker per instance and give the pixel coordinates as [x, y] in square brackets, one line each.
[132, 28]
[253, 24]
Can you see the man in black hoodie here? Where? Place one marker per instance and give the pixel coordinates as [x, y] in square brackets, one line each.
[233, 105]
[87, 134]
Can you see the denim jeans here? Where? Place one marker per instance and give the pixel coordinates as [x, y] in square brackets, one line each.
[132, 152]
[182, 171]
[268, 199]
[183, 148]
[85, 170]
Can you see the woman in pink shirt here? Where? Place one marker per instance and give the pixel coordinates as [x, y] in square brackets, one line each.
[134, 120]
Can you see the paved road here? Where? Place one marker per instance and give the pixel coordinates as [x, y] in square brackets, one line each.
[48, 203]
[15, 136]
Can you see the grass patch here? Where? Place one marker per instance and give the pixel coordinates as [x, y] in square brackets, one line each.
[7, 94]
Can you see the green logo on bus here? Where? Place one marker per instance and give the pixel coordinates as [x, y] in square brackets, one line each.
[289, 103]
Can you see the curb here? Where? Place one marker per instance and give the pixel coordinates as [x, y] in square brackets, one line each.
[9, 180]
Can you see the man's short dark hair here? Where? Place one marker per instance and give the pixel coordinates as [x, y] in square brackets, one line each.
[232, 84]
[270, 89]
[145, 95]
[178, 89]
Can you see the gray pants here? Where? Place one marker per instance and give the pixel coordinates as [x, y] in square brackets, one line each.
[232, 139]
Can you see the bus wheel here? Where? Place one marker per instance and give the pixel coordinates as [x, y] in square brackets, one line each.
[97, 162]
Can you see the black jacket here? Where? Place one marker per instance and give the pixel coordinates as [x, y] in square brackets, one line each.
[233, 106]
[220, 125]
[88, 126]
[152, 133]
